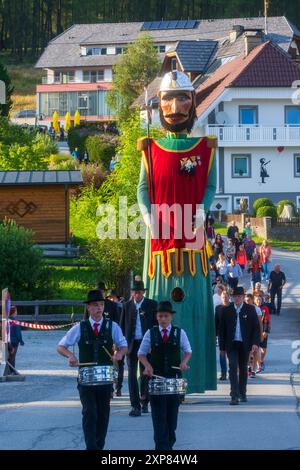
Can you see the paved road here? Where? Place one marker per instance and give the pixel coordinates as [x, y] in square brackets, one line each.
[44, 412]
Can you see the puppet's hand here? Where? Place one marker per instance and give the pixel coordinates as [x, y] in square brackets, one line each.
[143, 143]
[199, 219]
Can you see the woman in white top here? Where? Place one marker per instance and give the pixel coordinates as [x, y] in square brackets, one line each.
[222, 265]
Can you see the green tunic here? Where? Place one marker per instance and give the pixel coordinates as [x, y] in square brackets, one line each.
[196, 313]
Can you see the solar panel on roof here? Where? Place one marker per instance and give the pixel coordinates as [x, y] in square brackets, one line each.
[181, 24]
[191, 24]
[175, 24]
[155, 24]
[172, 24]
[146, 25]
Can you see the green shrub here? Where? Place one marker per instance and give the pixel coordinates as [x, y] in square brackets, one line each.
[24, 149]
[266, 211]
[280, 205]
[78, 135]
[17, 157]
[13, 134]
[22, 268]
[100, 151]
[62, 162]
[262, 202]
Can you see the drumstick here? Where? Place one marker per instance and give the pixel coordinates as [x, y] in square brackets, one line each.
[158, 376]
[178, 368]
[108, 353]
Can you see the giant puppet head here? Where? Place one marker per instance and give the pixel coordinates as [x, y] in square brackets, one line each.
[177, 107]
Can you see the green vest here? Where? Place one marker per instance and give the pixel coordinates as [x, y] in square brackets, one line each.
[91, 346]
[165, 355]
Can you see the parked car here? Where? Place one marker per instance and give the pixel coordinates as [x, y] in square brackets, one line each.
[26, 113]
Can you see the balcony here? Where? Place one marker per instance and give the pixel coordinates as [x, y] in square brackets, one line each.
[51, 81]
[263, 136]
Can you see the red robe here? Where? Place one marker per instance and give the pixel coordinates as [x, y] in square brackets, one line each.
[171, 184]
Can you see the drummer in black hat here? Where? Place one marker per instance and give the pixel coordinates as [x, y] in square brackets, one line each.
[138, 315]
[239, 333]
[96, 338]
[160, 353]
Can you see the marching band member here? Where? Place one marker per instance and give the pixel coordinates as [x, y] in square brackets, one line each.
[95, 337]
[163, 344]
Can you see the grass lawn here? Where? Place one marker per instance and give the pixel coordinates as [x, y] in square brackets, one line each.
[281, 245]
[73, 283]
[222, 229]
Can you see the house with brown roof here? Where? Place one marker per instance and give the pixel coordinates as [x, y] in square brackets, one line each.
[252, 105]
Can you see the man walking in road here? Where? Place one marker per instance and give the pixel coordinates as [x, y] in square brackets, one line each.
[138, 316]
[239, 334]
[276, 282]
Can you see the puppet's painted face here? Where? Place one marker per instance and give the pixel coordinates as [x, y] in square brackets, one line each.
[177, 110]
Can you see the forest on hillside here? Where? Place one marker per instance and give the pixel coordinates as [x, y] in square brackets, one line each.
[26, 26]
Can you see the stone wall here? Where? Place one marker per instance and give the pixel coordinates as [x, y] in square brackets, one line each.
[263, 227]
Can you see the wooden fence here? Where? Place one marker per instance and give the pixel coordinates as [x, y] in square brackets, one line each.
[36, 316]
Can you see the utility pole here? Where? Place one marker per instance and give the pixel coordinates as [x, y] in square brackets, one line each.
[266, 14]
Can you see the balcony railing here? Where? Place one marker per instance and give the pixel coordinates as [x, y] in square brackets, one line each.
[249, 135]
[50, 81]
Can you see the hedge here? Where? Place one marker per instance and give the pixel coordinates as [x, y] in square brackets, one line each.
[262, 202]
[267, 211]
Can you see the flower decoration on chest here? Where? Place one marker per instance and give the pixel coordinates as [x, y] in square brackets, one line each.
[188, 165]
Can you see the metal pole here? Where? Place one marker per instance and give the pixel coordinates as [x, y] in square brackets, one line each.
[149, 146]
[4, 350]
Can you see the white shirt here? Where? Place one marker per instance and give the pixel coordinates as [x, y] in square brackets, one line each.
[217, 299]
[73, 335]
[238, 334]
[138, 326]
[145, 346]
[222, 267]
[258, 310]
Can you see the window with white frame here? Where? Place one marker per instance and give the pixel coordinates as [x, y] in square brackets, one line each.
[86, 76]
[71, 76]
[248, 115]
[57, 77]
[241, 166]
[100, 75]
[96, 51]
[297, 165]
[292, 115]
[83, 101]
[93, 76]
[237, 202]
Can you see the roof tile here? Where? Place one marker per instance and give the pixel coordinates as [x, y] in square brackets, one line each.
[266, 66]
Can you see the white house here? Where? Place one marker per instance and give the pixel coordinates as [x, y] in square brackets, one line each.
[252, 105]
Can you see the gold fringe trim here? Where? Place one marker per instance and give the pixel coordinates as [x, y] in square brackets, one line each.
[166, 262]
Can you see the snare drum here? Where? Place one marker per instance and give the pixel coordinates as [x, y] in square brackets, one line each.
[97, 375]
[166, 386]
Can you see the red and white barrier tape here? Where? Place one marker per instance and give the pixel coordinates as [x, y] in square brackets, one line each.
[33, 326]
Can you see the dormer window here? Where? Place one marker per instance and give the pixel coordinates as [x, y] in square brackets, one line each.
[96, 51]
